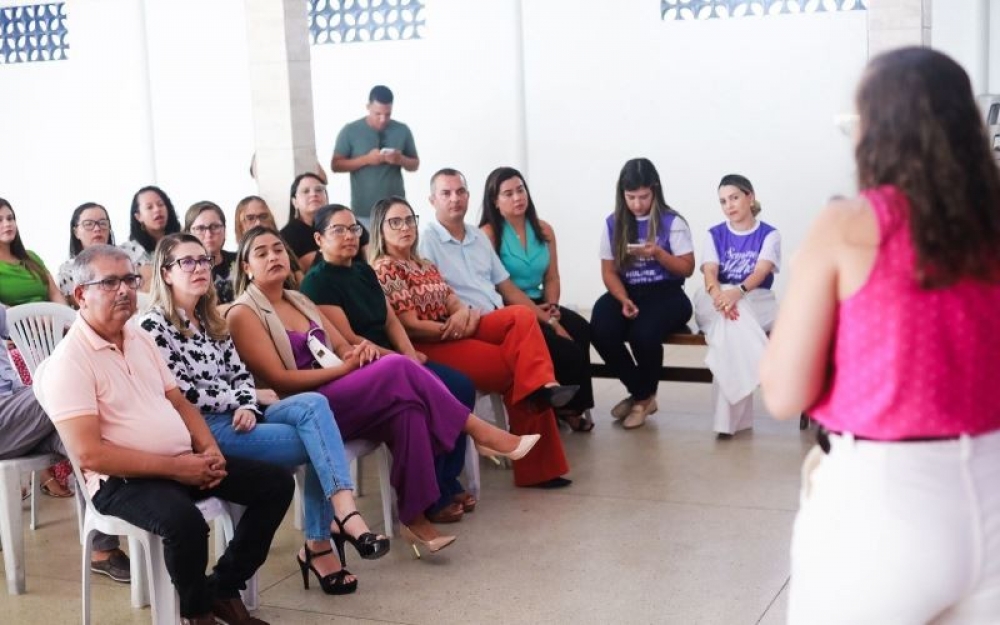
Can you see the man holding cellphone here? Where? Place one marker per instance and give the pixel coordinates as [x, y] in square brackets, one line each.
[375, 149]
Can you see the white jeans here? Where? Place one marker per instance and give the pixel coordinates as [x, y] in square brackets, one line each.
[898, 534]
[734, 351]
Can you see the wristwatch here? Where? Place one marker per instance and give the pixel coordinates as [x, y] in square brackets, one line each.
[743, 288]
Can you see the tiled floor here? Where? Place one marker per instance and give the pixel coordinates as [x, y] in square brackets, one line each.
[661, 525]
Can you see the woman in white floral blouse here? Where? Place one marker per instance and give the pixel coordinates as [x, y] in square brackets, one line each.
[299, 429]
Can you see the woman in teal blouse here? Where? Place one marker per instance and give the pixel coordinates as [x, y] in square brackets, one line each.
[527, 248]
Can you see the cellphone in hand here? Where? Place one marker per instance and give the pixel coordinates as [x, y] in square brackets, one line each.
[386, 151]
[634, 246]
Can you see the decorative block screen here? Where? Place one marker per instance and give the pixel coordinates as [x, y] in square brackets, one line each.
[708, 9]
[351, 21]
[34, 32]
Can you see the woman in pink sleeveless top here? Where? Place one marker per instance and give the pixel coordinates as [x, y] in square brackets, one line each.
[889, 337]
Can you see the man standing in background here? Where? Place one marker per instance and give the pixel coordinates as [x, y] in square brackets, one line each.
[375, 149]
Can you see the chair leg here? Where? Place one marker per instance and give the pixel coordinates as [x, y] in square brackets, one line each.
[34, 500]
[11, 529]
[87, 543]
[500, 416]
[472, 469]
[357, 476]
[138, 569]
[384, 471]
[298, 500]
[163, 597]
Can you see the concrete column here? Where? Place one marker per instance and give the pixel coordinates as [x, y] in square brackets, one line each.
[898, 23]
[281, 96]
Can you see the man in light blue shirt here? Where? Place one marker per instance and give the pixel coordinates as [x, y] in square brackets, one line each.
[462, 253]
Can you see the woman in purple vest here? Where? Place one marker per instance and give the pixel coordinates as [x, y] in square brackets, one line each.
[739, 259]
[646, 253]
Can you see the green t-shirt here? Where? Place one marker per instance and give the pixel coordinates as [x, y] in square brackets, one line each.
[374, 182]
[19, 286]
[356, 290]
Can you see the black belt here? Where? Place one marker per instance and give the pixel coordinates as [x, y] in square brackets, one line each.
[823, 438]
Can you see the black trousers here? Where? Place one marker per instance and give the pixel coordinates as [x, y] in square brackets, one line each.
[167, 509]
[663, 309]
[571, 358]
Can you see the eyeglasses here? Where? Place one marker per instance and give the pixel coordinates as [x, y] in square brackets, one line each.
[132, 281]
[341, 231]
[213, 228]
[397, 223]
[189, 263]
[95, 224]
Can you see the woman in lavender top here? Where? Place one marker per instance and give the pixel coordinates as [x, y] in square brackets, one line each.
[739, 259]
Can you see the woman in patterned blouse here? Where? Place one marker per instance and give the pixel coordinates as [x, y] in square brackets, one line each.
[502, 351]
[248, 422]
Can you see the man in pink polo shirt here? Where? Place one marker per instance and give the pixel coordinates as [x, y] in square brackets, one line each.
[145, 451]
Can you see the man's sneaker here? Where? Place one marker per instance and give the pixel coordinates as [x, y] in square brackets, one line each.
[116, 567]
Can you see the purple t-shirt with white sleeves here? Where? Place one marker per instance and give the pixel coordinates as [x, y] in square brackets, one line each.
[738, 253]
[647, 270]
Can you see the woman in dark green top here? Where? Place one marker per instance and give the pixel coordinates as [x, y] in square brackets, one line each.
[348, 293]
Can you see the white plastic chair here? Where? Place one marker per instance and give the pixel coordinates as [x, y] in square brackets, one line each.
[491, 403]
[151, 583]
[11, 524]
[37, 328]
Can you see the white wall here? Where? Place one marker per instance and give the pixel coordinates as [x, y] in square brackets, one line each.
[756, 96]
[603, 82]
[957, 30]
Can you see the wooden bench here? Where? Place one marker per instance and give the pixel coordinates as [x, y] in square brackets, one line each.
[680, 374]
[668, 373]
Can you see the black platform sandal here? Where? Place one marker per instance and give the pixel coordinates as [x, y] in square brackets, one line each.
[368, 545]
[332, 584]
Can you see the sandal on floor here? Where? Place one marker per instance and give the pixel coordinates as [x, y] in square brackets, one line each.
[578, 422]
[45, 488]
[467, 501]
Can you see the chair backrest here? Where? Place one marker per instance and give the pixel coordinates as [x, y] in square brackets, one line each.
[37, 328]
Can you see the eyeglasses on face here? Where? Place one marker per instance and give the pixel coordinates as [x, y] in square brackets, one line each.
[189, 263]
[397, 223]
[95, 224]
[213, 228]
[341, 231]
[112, 283]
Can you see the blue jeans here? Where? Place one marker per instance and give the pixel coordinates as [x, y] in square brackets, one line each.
[297, 430]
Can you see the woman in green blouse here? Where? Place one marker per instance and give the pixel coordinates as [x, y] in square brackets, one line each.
[23, 276]
[23, 280]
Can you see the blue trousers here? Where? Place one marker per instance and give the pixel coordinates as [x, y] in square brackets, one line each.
[448, 466]
[299, 429]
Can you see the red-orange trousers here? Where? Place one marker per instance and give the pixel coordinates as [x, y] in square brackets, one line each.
[507, 354]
